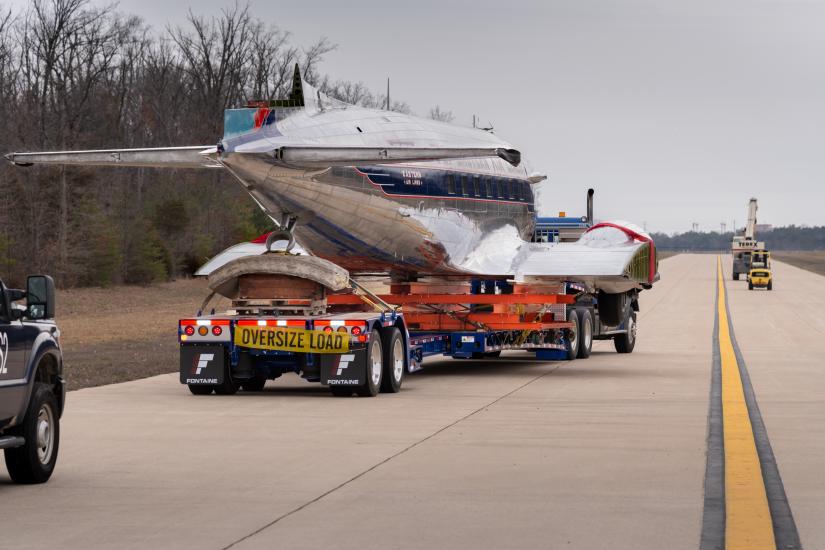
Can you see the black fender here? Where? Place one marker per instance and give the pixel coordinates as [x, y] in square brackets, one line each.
[45, 347]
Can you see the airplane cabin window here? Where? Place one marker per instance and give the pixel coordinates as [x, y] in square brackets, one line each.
[488, 183]
[500, 189]
[450, 184]
[464, 186]
[475, 186]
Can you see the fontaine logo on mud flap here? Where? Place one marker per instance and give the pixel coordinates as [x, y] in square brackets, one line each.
[200, 362]
[4, 352]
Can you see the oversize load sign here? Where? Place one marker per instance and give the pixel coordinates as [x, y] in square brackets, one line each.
[291, 339]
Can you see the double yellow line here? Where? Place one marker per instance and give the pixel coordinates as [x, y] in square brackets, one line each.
[748, 522]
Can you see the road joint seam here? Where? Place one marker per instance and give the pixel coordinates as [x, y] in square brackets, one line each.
[390, 458]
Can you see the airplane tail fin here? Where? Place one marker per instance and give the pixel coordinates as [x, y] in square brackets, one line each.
[262, 113]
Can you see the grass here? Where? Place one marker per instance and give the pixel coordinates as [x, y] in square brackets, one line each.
[811, 260]
[117, 334]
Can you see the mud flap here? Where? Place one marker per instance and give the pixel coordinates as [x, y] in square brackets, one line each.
[201, 365]
[346, 369]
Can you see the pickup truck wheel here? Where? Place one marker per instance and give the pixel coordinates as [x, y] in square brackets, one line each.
[34, 462]
[394, 361]
[770, 285]
[572, 335]
[625, 343]
[200, 389]
[585, 333]
[375, 367]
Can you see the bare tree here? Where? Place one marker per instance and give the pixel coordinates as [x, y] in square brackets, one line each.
[444, 116]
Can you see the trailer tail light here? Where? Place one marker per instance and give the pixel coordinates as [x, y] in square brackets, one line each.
[189, 330]
[342, 329]
[202, 330]
[357, 330]
[217, 330]
[327, 328]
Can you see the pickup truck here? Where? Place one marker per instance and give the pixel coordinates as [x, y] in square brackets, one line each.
[32, 390]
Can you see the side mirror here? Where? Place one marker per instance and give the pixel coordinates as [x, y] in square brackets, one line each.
[40, 297]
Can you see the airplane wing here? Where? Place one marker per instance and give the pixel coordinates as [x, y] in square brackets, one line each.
[322, 157]
[164, 157]
[613, 256]
[299, 156]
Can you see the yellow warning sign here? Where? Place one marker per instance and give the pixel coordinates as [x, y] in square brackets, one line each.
[291, 339]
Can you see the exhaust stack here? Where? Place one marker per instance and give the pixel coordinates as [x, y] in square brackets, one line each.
[590, 193]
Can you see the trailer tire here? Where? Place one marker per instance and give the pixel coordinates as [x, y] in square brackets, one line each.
[735, 276]
[573, 335]
[375, 367]
[625, 343]
[229, 385]
[585, 333]
[34, 462]
[341, 391]
[201, 389]
[255, 383]
[394, 361]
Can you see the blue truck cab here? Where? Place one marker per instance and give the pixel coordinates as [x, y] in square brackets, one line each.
[32, 389]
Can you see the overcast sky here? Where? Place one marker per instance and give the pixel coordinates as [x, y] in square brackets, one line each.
[675, 112]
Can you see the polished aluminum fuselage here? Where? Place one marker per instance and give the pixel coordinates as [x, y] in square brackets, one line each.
[438, 217]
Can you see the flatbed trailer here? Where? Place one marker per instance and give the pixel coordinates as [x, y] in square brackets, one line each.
[355, 341]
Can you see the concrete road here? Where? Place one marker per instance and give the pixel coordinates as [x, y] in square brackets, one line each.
[607, 452]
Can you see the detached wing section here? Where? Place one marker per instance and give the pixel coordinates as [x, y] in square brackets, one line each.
[614, 257]
[165, 157]
[322, 157]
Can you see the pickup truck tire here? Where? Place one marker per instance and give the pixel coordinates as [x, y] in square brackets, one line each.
[394, 361]
[770, 285]
[375, 367]
[585, 333]
[750, 285]
[573, 335]
[34, 462]
[624, 343]
[201, 389]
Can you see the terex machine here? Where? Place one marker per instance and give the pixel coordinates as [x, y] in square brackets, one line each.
[746, 249]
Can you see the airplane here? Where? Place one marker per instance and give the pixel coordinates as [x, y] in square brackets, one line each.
[377, 191]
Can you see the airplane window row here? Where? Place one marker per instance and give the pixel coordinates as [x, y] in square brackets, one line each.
[487, 187]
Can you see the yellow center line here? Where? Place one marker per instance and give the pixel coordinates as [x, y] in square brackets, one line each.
[748, 517]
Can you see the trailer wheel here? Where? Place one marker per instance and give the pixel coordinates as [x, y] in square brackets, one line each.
[200, 389]
[585, 333]
[375, 367]
[229, 386]
[34, 461]
[394, 361]
[573, 335]
[625, 343]
[255, 383]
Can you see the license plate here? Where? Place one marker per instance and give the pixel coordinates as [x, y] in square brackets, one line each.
[291, 339]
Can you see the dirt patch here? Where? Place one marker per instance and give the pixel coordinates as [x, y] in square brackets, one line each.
[811, 260]
[123, 333]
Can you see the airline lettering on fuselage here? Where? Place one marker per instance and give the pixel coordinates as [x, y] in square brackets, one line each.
[412, 177]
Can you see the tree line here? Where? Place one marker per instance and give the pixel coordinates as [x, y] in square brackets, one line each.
[779, 238]
[78, 76]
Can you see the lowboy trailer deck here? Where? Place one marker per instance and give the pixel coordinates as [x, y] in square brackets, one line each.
[300, 314]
